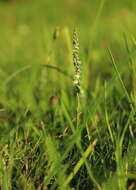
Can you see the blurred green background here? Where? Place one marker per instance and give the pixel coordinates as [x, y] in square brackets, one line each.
[26, 42]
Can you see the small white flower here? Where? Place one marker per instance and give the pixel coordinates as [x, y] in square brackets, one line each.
[77, 76]
[75, 82]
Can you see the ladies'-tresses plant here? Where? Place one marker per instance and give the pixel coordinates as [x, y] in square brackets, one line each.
[77, 65]
[77, 76]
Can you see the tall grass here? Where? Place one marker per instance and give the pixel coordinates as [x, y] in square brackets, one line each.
[51, 137]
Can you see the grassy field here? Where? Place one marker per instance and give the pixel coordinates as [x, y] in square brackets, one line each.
[68, 109]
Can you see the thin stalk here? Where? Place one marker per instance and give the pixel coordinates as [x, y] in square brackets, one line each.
[77, 110]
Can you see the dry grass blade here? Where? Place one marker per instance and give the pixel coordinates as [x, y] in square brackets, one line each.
[80, 163]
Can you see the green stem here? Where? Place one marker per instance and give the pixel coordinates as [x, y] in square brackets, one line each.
[77, 111]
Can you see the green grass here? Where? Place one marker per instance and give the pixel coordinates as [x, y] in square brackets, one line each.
[48, 143]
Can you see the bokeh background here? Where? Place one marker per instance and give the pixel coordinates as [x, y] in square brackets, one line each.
[27, 30]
